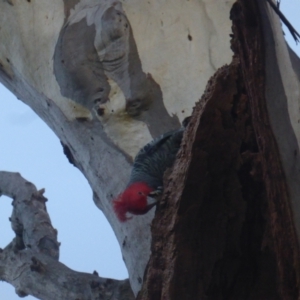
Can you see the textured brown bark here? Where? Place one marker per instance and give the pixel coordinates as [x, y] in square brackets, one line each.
[249, 43]
[225, 228]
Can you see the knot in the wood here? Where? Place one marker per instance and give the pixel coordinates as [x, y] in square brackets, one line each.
[21, 293]
[17, 226]
[37, 265]
[39, 196]
[94, 284]
[68, 154]
[49, 246]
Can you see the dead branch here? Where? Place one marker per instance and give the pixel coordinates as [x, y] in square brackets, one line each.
[30, 262]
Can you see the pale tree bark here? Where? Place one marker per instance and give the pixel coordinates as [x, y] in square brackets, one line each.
[108, 76]
[30, 262]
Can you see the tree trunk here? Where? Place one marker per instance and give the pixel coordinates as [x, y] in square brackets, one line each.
[107, 77]
[229, 230]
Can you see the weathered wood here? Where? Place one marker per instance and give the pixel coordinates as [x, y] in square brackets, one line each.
[109, 76]
[228, 228]
[83, 73]
[30, 262]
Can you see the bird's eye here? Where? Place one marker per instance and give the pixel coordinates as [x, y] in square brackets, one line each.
[140, 193]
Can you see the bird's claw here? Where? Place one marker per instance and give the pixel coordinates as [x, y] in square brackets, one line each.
[156, 193]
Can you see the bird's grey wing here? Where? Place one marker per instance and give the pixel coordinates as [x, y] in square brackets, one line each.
[154, 145]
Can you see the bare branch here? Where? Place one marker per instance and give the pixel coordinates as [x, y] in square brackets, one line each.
[30, 261]
[290, 27]
[30, 220]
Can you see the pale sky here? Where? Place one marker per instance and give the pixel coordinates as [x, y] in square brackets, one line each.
[28, 146]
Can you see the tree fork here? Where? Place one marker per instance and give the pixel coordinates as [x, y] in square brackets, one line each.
[30, 262]
[225, 228]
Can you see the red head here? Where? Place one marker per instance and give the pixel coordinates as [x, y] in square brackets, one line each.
[133, 200]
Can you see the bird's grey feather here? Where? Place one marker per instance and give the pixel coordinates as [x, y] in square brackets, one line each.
[154, 158]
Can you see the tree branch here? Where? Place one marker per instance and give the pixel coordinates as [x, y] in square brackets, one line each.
[30, 220]
[290, 27]
[30, 261]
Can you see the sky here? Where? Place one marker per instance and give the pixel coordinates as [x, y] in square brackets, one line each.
[28, 146]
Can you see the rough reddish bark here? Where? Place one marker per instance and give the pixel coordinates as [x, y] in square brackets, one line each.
[224, 229]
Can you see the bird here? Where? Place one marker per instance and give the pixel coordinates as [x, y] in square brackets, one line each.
[146, 179]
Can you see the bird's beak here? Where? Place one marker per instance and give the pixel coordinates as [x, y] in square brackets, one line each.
[151, 202]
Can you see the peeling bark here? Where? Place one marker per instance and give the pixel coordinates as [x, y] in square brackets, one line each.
[30, 262]
[228, 225]
[225, 229]
[97, 45]
[46, 56]
[258, 74]
[211, 239]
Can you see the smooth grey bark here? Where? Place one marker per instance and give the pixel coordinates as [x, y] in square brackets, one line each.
[30, 262]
